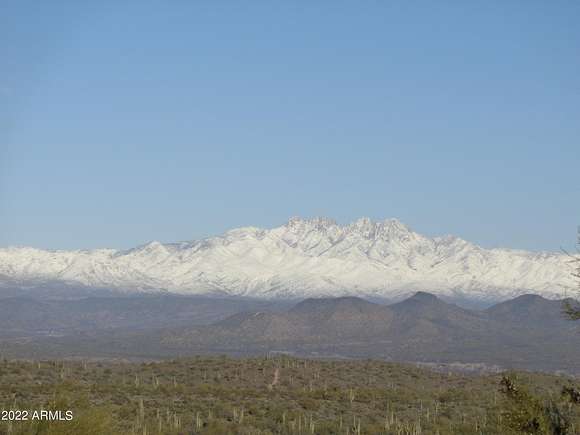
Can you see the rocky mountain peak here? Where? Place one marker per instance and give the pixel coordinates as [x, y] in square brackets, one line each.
[304, 257]
[297, 223]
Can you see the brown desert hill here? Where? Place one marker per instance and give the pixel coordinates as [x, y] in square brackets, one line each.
[531, 311]
[425, 315]
[255, 327]
[345, 317]
[420, 328]
[312, 320]
[345, 320]
[527, 332]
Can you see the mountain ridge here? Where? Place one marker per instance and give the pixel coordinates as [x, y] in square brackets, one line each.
[528, 332]
[302, 258]
[422, 328]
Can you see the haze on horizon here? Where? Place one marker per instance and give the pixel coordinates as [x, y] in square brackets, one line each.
[124, 123]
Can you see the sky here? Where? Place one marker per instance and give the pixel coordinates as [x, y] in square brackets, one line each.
[125, 122]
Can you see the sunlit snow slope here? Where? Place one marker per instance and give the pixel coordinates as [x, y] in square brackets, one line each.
[305, 257]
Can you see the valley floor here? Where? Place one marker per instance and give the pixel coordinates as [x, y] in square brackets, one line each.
[268, 395]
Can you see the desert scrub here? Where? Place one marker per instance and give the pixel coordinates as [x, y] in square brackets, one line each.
[204, 395]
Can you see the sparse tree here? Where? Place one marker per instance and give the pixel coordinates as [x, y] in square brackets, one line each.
[527, 414]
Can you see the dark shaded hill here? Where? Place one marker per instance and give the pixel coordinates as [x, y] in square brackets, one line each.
[310, 321]
[527, 332]
[426, 316]
[347, 317]
[327, 320]
[421, 328]
[530, 311]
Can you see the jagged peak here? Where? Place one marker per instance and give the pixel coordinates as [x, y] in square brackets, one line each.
[386, 229]
[448, 239]
[318, 222]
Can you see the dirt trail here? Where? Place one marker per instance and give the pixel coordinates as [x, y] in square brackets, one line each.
[276, 379]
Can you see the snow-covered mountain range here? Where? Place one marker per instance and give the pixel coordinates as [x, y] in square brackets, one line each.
[304, 257]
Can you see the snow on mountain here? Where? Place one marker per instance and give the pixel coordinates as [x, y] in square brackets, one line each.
[304, 257]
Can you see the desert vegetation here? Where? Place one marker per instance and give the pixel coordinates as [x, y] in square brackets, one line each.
[282, 395]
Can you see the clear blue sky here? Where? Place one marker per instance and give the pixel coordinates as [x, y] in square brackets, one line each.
[124, 122]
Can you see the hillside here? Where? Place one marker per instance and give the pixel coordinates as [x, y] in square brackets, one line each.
[528, 332]
[420, 328]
